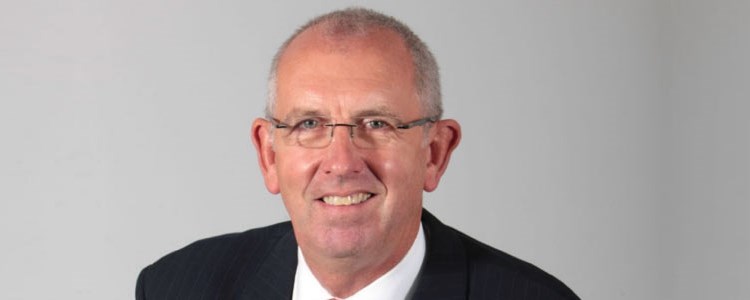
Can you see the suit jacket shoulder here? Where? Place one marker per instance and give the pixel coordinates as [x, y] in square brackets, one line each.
[255, 264]
[459, 267]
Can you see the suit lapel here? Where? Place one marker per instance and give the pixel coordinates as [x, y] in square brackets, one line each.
[275, 276]
[443, 274]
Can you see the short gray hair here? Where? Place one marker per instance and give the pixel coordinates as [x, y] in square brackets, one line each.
[360, 21]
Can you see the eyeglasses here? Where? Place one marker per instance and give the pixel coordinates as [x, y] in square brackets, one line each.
[366, 133]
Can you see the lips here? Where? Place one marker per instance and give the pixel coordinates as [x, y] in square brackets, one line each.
[352, 199]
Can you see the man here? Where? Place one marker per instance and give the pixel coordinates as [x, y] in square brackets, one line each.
[352, 137]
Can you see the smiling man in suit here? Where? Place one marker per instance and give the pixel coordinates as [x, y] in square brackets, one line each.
[353, 137]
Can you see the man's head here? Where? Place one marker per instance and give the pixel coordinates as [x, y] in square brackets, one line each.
[353, 189]
[354, 22]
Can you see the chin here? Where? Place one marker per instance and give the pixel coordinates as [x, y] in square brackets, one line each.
[344, 243]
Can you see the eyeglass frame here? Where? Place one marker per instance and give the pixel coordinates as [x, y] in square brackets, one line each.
[277, 124]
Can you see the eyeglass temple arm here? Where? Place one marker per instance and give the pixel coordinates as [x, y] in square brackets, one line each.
[419, 122]
[278, 124]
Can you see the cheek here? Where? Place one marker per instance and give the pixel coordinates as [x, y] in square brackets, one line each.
[295, 170]
[403, 171]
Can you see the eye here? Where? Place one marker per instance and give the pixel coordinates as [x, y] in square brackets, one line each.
[377, 124]
[308, 124]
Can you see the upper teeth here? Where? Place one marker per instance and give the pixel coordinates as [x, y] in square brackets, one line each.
[347, 200]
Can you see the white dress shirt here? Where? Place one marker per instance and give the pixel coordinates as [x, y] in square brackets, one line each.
[394, 284]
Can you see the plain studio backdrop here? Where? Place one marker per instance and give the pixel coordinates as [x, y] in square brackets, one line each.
[607, 142]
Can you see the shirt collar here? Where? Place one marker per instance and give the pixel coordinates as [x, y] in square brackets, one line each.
[394, 284]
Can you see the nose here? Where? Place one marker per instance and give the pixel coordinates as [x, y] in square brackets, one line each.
[342, 157]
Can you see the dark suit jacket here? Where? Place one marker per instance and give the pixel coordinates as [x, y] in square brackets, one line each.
[261, 264]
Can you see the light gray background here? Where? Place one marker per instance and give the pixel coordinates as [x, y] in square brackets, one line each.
[607, 142]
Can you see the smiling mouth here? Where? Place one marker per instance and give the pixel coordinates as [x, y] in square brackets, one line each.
[347, 200]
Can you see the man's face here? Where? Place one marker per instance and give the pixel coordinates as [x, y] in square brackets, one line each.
[343, 81]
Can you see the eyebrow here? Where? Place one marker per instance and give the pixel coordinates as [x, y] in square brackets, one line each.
[297, 113]
[379, 111]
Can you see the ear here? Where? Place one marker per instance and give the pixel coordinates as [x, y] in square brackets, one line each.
[441, 146]
[260, 133]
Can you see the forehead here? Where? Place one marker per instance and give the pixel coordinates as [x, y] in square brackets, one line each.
[341, 75]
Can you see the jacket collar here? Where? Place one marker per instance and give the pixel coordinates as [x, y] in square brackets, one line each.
[275, 276]
[443, 274]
